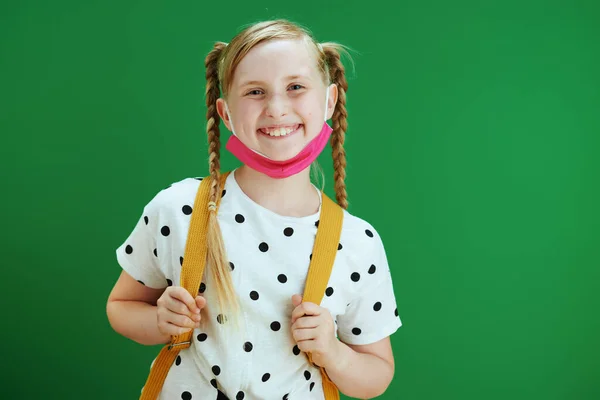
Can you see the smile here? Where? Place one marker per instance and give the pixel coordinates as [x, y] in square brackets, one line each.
[281, 132]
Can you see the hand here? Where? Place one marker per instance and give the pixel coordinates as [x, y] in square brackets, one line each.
[314, 331]
[178, 312]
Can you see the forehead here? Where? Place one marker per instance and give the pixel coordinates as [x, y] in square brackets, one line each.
[276, 60]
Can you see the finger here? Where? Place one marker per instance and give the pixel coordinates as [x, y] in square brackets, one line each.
[200, 302]
[176, 306]
[307, 346]
[304, 334]
[185, 297]
[305, 308]
[296, 300]
[180, 320]
[307, 322]
[176, 330]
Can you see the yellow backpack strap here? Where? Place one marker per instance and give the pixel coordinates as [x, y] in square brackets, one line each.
[321, 264]
[194, 261]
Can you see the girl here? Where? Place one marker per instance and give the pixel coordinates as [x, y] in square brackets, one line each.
[279, 87]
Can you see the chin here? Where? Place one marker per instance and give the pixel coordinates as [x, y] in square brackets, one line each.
[283, 155]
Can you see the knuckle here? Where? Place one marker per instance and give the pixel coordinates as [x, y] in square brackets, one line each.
[181, 320]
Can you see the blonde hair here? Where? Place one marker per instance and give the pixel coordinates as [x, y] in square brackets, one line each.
[220, 64]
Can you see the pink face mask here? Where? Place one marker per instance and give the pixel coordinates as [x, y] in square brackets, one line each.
[280, 169]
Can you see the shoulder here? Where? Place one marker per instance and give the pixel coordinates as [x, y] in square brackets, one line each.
[359, 229]
[174, 197]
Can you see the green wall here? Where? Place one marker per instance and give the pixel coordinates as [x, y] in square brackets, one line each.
[473, 147]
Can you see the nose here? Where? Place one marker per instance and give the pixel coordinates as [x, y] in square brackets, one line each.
[277, 106]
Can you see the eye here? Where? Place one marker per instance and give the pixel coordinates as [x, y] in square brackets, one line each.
[253, 92]
[297, 85]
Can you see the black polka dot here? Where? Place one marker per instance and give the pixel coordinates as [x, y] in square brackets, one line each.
[178, 360]
[155, 253]
[248, 347]
[202, 337]
[180, 260]
[307, 375]
[285, 396]
[369, 233]
[216, 370]
[187, 210]
[372, 269]
[266, 377]
[356, 331]
[275, 326]
[128, 249]
[240, 395]
[355, 277]
[282, 278]
[198, 178]
[239, 218]
[312, 385]
[221, 318]
[186, 396]
[169, 282]
[231, 266]
[146, 220]
[288, 232]
[310, 257]
[377, 306]
[263, 247]
[223, 192]
[165, 231]
[329, 291]
[202, 287]
[254, 295]
[221, 395]
[340, 246]
[296, 350]
[317, 224]
[142, 283]
[396, 312]
[213, 382]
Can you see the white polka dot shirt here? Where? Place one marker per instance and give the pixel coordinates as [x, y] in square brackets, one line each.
[269, 256]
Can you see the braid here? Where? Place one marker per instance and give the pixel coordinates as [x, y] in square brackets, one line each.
[340, 125]
[217, 262]
[212, 116]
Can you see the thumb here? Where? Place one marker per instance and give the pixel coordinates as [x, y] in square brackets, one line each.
[200, 302]
[296, 300]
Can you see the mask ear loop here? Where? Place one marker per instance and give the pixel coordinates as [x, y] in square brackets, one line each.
[326, 101]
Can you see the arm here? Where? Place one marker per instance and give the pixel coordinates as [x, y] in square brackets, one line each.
[131, 310]
[362, 371]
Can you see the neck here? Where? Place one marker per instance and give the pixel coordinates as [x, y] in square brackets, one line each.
[294, 196]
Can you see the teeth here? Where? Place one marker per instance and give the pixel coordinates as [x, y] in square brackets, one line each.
[278, 132]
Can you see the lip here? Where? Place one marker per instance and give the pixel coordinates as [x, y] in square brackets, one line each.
[282, 137]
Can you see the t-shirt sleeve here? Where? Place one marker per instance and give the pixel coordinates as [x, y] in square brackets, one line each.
[373, 314]
[137, 255]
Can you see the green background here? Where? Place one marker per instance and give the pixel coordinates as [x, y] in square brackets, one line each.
[473, 148]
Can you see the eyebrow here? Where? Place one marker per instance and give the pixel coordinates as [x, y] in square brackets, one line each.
[289, 78]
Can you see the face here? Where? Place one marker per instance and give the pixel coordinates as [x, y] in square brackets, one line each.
[277, 99]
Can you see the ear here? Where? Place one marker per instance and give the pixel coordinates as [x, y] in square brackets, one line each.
[223, 113]
[332, 101]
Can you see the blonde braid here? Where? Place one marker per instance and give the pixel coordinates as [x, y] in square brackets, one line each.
[340, 124]
[217, 257]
